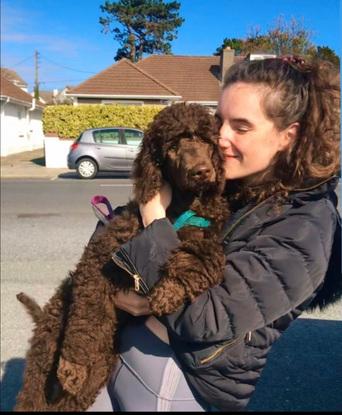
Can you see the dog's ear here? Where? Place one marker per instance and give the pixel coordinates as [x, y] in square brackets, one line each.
[147, 174]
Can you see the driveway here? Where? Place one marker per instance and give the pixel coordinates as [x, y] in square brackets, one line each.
[29, 165]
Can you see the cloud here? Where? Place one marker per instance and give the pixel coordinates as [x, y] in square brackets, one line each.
[20, 26]
[68, 48]
[25, 29]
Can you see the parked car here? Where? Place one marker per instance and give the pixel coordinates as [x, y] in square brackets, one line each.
[104, 149]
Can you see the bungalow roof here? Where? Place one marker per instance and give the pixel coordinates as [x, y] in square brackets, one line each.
[123, 78]
[195, 77]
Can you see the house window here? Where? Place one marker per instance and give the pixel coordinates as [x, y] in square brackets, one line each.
[21, 114]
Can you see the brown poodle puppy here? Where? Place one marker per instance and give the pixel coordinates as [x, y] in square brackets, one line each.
[74, 345]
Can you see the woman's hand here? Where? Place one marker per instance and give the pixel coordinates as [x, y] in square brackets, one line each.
[132, 303]
[156, 207]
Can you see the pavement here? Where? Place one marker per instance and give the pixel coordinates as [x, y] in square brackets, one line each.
[29, 165]
[303, 367]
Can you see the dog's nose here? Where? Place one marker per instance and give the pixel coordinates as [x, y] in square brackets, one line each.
[201, 172]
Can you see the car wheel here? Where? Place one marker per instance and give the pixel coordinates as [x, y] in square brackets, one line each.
[86, 168]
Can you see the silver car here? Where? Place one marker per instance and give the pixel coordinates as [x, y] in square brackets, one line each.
[104, 149]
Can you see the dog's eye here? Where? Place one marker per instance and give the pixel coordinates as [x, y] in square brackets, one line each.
[173, 147]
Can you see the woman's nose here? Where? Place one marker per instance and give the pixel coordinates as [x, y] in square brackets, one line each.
[225, 136]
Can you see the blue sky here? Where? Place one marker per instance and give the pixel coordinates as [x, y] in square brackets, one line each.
[68, 36]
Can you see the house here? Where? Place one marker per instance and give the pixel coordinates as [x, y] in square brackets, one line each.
[158, 79]
[55, 97]
[46, 97]
[12, 76]
[21, 118]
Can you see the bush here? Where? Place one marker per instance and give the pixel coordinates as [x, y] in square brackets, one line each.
[68, 121]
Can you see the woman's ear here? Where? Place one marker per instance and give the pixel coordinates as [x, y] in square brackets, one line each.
[289, 136]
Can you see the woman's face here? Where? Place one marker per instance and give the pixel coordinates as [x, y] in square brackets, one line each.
[248, 139]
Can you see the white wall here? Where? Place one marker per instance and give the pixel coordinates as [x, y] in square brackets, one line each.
[56, 152]
[36, 128]
[21, 129]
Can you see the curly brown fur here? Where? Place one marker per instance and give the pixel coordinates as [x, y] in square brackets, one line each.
[193, 268]
[80, 315]
[73, 348]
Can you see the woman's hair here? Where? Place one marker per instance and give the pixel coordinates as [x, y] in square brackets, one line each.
[307, 93]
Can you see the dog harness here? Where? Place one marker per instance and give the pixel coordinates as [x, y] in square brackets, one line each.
[189, 218]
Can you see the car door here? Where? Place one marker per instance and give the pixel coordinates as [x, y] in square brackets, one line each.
[111, 152]
[133, 139]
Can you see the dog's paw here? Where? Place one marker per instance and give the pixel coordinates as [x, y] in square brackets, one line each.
[166, 297]
[71, 375]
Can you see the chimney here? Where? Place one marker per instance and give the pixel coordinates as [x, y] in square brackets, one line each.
[226, 61]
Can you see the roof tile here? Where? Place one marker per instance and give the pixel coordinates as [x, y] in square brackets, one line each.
[194, 78]
[123, 78]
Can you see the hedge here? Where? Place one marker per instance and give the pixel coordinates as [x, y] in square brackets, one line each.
[68, 121]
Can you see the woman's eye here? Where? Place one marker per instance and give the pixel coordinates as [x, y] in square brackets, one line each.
[242, 130]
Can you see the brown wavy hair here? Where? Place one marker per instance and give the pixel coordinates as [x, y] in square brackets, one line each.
[295, 91]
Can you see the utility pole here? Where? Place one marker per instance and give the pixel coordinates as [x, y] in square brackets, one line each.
[36, 81]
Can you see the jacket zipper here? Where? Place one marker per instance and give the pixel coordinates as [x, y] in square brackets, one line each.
[139, 283]
[218, 351]
[230, 230]
[232, 341]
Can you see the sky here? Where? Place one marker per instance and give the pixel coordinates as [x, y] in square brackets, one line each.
[67, 33]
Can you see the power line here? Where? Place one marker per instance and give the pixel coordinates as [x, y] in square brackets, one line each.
[24, 60]
[65, 67]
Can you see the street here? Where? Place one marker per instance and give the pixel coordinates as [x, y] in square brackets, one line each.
[45, 226]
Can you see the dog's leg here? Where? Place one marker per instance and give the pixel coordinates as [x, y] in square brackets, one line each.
[92, 321]
[194, 267]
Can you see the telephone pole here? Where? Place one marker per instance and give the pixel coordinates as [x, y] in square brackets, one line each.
[36, 81]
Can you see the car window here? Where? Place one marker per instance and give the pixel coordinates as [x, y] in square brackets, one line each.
[133, 137]
[106, 136]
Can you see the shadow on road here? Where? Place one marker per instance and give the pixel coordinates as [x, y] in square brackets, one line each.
[11, 383]
[303, 373]
[304, 369]
[40, 161]
[111, 175]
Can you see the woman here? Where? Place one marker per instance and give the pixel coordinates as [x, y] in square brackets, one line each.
[279, 129]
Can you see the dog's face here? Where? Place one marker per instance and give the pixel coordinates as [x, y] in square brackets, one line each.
[180, 146]
[189, 165]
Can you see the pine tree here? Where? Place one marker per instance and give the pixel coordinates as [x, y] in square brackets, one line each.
[141, 26]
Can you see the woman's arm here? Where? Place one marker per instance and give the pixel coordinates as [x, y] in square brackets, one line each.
[275, 271]
[155, 209]
[132, 303]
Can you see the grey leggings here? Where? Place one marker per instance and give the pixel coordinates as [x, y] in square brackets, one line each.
[147, 378]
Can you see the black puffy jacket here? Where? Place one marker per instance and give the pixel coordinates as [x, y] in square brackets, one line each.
[276, 263]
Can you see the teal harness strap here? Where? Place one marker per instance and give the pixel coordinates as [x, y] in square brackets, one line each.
[189, 218]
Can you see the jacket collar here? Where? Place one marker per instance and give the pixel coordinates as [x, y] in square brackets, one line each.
[310, 192]
[314, 190]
